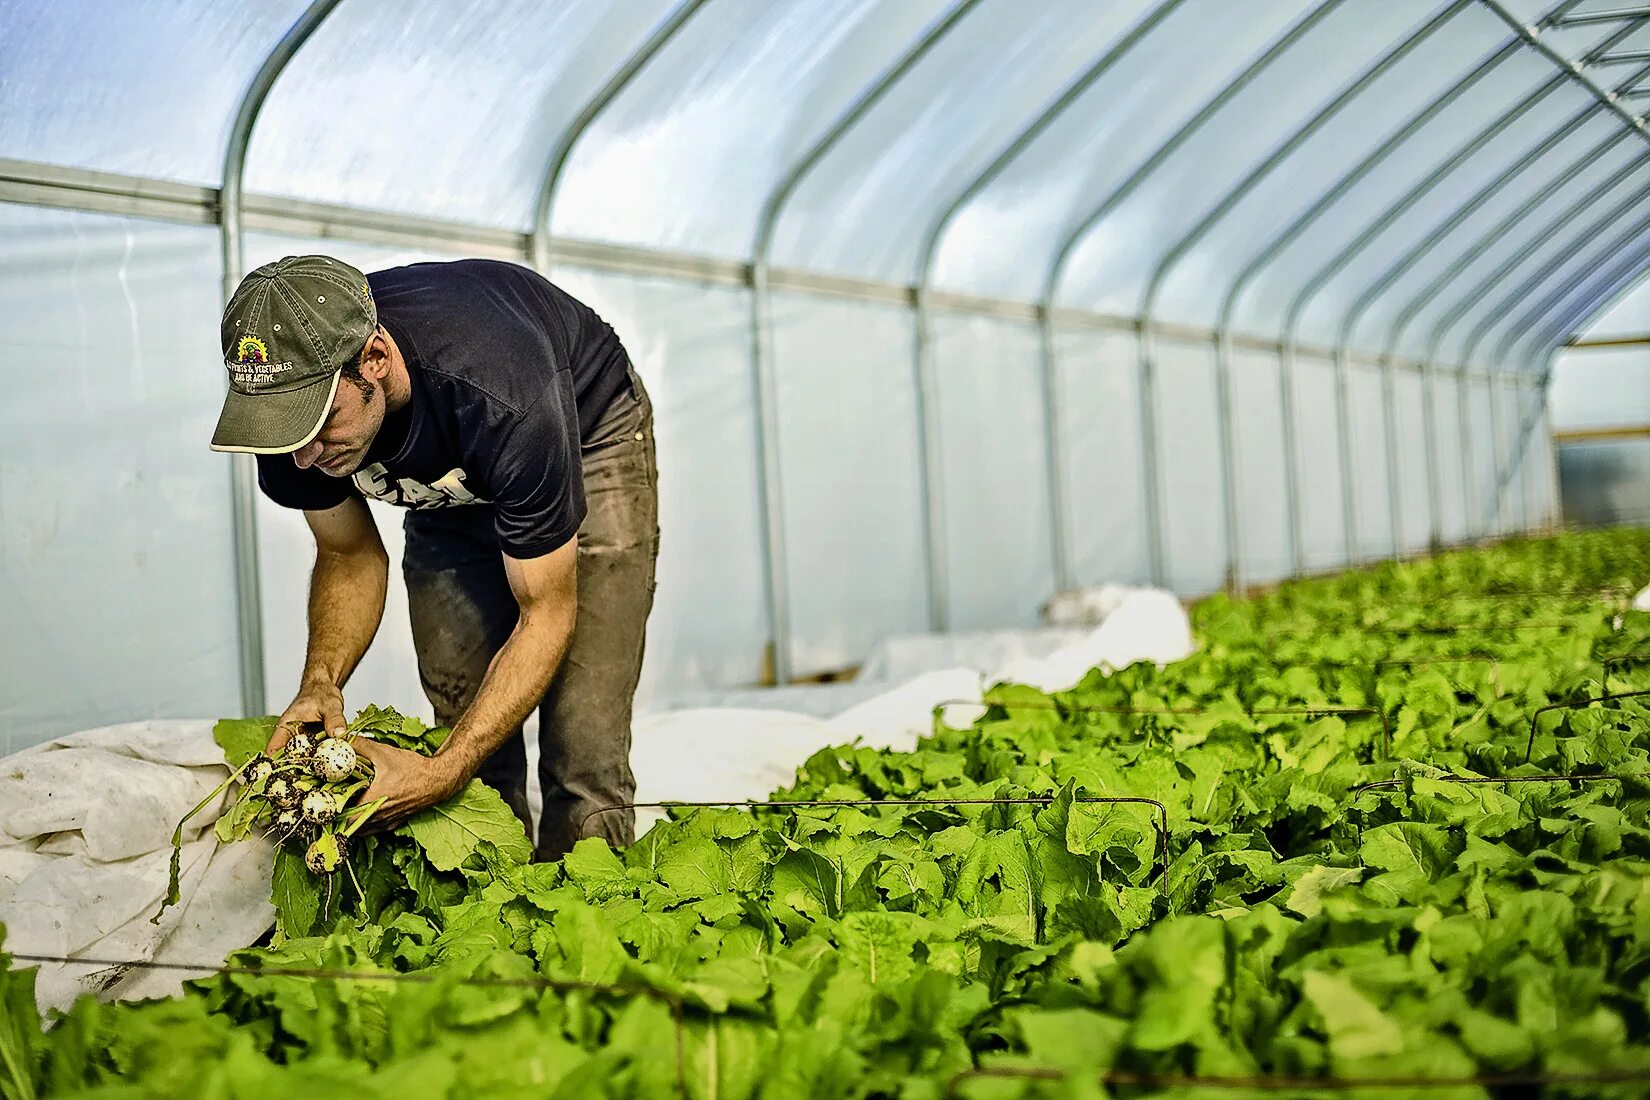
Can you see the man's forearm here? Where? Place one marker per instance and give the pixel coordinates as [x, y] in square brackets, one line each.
[346, 604]
[516, 680]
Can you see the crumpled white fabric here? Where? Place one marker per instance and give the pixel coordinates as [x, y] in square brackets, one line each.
[1086, 607]
[704, 754]
[85, 841]
[1148, 624]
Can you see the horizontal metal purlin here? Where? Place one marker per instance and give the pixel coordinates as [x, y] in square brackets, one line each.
[1618, 15]
[1602, 435]
[1639, 341]
[30, 184]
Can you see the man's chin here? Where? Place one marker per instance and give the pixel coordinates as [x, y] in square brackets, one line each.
[346, 470]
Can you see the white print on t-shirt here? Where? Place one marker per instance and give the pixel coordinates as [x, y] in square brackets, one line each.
[444, 492]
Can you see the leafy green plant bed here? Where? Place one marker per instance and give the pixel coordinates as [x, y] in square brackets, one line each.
[1337, 896]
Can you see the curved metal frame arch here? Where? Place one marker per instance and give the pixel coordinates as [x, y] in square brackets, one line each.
[243, 475]
[1554, 302]
[1552, 337]
[1365, 301]
[1062, 256]
[1405, 315]
[1289, 235]
[1243, 188]
[1501, 230]
[1554, 305]
[1390, 217]
[762, 357]
[544, 208]
[1429, 293]
[1620, 281]
[1532, 284]
[933, 477]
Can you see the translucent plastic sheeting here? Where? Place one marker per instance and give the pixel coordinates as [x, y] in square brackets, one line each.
[1369, 465]
[1140, 103]
[850, 464]
[691, 345]
[452, 109]
[1446, 414]
[388, 674]
[1411, 188]
[1370, 121]
[1605, 482]
[996, 480]
[1512, 456]
[1099, 376]
[1323, 531]
[868, 206]
[685, 157]
[1500, 219]
[1112, 266]
[116, 570]
[1415, 514]
[148, 89]
[1189, 473]
[1258, 423]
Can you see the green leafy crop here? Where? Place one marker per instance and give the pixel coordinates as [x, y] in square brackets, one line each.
[1335, 896]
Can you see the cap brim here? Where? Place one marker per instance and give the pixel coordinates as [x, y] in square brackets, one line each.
[274, 423]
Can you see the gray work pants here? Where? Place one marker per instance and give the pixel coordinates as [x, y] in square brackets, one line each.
[463, 610]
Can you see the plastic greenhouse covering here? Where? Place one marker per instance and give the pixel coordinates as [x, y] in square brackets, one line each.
[945, 306]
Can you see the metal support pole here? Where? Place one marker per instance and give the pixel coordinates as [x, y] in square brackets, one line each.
[1469, 456]
[1182, 247]
[243, 483]
[1384, 149]
[544, 208]
[1137, 177]
[762, 361]
[1555, 498]
[1498, 447]
[933, 473]
[1435, 475]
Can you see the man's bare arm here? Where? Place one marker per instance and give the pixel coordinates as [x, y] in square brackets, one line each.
[346, 604]
[546, 590]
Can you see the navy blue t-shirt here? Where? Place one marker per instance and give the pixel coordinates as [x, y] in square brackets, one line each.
[509, 373]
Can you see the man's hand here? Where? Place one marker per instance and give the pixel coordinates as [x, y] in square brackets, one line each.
[407, 781]
[319, 704]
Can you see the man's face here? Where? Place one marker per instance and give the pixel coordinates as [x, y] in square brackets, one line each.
[341, 445]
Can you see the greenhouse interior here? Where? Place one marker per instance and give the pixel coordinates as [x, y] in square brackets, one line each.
[825, 548]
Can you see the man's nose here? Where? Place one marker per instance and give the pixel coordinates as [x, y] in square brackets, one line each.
[306, 455]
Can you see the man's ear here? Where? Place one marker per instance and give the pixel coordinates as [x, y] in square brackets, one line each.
[375, 359]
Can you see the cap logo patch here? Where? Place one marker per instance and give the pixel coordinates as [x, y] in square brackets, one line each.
[251, 350]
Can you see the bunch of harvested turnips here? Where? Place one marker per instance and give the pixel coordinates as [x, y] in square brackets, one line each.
[300, 796]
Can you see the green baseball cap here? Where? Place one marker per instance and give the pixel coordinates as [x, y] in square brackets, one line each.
[288, 329]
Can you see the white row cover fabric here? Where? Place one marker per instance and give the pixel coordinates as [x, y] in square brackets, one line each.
[85, 841]
[733, 754]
